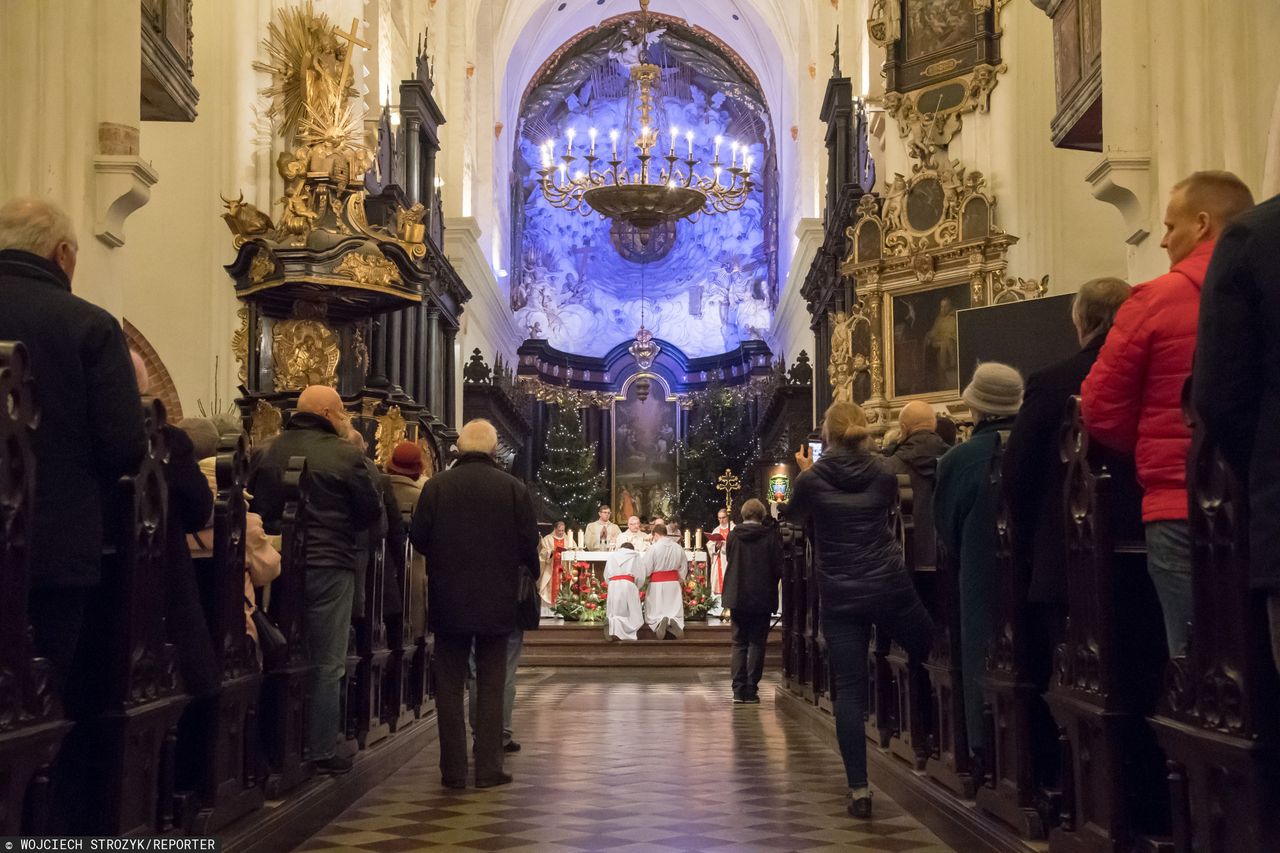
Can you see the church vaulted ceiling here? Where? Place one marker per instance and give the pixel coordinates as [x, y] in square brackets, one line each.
[708, 284]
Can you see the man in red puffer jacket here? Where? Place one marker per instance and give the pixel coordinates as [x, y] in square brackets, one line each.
[1132, 399]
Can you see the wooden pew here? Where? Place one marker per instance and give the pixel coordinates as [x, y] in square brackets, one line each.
[911, 734]
[227, 773]
[397, 695]
[373, 653]
[123, 747]
[795, 669]
[1219, 717]
[948, 764]
[1107, 671]
[284, 689]
[32, 726]
[1011, 793]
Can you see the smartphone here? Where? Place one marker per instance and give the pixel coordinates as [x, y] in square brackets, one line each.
[815, 449]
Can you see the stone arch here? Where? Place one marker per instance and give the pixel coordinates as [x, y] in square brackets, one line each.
[162, 385]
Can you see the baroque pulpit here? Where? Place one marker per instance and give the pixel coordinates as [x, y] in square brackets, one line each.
[341, 288]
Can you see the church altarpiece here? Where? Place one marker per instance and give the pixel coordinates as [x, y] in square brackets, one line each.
[929, 248]
[645, 430]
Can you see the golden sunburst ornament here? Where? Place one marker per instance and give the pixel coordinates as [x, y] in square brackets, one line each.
[311, 93]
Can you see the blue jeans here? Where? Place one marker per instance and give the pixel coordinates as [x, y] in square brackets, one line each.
[847, 639]
[515, 645]
[1169, 564]
[328, 597]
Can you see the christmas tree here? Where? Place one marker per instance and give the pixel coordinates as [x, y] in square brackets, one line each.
[720, 436]
[569, 472]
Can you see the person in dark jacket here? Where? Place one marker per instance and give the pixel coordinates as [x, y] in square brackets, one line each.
[964, 509]
[1033, 474]
[476, 527]
[847, 501]
[1033, 481]
[916, 455]
[190, 511]
[1236, 381]
[90, 431]
[751, 581]
[341, 501]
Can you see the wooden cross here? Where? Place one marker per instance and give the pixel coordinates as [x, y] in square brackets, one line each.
[351, 37]
[728, 484]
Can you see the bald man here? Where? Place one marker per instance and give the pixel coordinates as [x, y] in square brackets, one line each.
[90, 422]
[634, 535]
[916, 456]
[342, 501]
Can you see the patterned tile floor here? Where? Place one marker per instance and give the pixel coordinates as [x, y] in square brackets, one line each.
[633, 760]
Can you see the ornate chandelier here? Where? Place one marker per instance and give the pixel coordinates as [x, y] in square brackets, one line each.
[644, 349]
[650, 188]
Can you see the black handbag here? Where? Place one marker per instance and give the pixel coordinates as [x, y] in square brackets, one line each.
[271, 640]
[528, 605]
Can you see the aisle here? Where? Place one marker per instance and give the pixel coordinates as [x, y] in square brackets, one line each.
[633, 760]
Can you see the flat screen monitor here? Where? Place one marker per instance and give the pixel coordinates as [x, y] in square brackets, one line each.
[1029, 335]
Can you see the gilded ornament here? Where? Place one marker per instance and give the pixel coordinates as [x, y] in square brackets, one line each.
[267, 422]
[391, 431]
[304, 350]
[261, 267]
[369, 270]
[245, 220]
[360, 351]
[240, 343]
[409, 227]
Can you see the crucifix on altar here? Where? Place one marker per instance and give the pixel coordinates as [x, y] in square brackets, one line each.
[728, 483]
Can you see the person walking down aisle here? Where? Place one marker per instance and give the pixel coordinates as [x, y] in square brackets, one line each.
[666, 567]
[846, 501]
[751, 591]
[475, 524]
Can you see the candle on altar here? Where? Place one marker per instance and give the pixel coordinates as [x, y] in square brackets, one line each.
[686, 540]
[698, 547]
[582, 538]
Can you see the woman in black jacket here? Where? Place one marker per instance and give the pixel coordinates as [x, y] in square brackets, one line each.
[847, 501]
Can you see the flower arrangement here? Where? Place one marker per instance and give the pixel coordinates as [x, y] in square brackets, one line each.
[583, 596]
[698, 600]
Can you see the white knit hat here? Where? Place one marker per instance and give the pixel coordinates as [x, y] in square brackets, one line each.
[996, 389]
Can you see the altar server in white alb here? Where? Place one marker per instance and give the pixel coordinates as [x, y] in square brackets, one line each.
[666, 567]
[624, 574]
[602, 534]
[633, 534]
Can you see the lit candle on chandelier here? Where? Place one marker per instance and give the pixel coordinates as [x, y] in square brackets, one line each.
[564, 169]
[675, 131]
[747, 161]
[592, 134]
[688, 137]
[719, 139]
[733, 161]
[613, 137]
[569, 134]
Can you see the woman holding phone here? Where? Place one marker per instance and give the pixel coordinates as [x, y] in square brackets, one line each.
[846, 501]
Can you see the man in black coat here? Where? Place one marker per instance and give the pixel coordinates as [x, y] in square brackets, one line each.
[341, 502]
[90, 431]
[751, 581]
[1236, 381]
[916, 455]
[1033, 475]
[1033, 478]
[476, 527]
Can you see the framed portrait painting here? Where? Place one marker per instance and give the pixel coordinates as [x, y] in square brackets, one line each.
[926, 357]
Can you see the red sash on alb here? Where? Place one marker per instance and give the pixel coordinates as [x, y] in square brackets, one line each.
[623, 578]
[664, 577]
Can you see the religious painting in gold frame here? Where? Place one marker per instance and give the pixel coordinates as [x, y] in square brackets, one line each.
[645, 431]
[925, 248]
[941, 61]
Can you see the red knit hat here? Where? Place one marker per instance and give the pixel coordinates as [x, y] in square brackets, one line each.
[406, 459]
